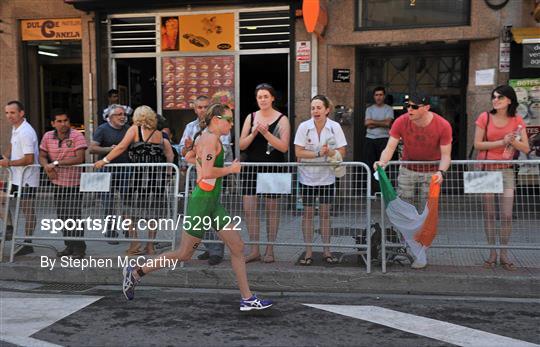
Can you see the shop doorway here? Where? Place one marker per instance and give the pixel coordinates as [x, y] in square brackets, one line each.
[439, 72]
[136, 82]
[54, 77]
[263, 68]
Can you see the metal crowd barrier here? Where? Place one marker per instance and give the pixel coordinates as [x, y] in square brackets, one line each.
[5, 189]
[470, 201]
[266, 201]
[99, 205]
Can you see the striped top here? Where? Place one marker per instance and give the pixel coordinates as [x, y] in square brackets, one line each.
[61, 149]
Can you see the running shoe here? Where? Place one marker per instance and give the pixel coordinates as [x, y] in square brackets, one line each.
[254, 303]
[129, 283]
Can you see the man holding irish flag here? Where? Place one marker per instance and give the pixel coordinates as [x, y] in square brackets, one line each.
[426, 137]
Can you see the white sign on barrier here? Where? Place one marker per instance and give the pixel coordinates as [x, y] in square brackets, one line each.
[95, 182]
[475, 182]
[274, 183]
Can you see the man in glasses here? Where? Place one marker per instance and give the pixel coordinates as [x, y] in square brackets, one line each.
[60, 149]
[379, 117]
[426, 136]
[105, 138]
[214, 251]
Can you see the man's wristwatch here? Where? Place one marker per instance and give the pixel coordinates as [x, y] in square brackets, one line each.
[107, 161]
[56, 163]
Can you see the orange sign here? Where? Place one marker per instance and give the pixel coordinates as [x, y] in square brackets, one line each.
[51, 29]
[315, 17]
[207, 32]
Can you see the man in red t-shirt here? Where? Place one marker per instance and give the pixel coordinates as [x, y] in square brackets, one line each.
[426, 137]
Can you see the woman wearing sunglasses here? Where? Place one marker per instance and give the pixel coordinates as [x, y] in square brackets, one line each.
[264, 139]
[499, 132]
[207, 155]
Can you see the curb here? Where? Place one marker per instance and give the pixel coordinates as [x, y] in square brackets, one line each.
[281, 278]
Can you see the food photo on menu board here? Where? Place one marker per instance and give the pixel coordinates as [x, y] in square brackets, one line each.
[207, 32]
[185, 78]
[169, 33]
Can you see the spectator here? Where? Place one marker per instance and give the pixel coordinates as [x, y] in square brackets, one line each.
[264, 138]
[426, 136]
[105, 138]
[22, 151]
[59, 149]
[144, 145]
[113, 100]
[316, 140]
[497, 138]
[214, 251]
[378, 119]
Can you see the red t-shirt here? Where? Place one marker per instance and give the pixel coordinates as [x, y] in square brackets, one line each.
[495, 133]
[422, 143]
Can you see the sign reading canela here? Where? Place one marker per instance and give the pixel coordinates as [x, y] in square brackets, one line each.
[51, 29]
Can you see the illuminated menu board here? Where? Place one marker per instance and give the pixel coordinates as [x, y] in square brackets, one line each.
[186, 78]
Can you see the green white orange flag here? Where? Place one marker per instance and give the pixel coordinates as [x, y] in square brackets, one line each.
[419, 230]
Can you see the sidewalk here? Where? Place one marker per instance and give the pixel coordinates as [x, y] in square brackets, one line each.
[437, 279]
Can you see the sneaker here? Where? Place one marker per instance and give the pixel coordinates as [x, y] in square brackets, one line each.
[254, 303]
[129, 283]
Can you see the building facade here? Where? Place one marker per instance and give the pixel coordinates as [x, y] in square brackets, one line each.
[165, 53]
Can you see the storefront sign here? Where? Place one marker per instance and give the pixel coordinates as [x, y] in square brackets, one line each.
[51, 29]
[528, 97]
[303, 67]
[186, 78]
[531, 55]
[207, 32]
[303, 51]
[341, 75]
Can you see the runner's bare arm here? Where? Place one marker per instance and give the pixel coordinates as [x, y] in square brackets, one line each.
[207, 151]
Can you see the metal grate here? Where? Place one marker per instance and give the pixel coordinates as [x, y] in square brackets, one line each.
[133, 35]
[260, 30]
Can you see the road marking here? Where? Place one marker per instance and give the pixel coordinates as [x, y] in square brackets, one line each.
[24, 314]
[432, 328]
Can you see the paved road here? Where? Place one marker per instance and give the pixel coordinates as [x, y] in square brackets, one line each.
[100, 316]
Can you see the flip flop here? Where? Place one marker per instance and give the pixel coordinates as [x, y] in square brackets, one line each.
[306, 261]
[489, 264]
[330, 259]
[253, 258]
[268, 259]
[508, 266]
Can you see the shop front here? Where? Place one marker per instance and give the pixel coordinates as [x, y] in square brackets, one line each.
[166, 57]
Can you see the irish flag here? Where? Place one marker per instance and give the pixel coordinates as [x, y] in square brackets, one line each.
[419, 230]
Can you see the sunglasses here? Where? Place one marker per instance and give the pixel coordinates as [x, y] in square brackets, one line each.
[263, 86]
[498, 97]
[227, 118]
[414, 107]
[118, 114]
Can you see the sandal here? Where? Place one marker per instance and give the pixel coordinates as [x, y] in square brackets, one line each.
[132, 252]
[306, 261]
[508, 266]
[489, 264]
[251, 258]
[268, 259]
[330, 259]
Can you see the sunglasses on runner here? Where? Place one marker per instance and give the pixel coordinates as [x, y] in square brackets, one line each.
[227, 118]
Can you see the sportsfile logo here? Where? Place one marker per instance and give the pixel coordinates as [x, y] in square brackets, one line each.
[55, 225]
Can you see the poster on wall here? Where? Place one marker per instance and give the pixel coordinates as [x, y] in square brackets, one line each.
[207, 32]
[169, 34]
[185, 78]
[528, 95]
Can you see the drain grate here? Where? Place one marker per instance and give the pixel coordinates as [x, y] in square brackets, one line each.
[71, 287]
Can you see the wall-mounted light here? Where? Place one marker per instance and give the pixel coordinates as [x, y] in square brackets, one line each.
[48, 54]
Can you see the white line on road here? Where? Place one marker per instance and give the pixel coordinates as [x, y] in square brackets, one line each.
[432, 328]
[24, 314]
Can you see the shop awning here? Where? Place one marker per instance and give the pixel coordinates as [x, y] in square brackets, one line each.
[521, 34]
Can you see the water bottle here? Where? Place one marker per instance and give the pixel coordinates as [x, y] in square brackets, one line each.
[269, 147]
[509, 149]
